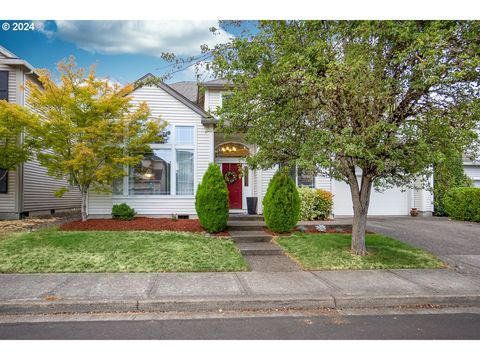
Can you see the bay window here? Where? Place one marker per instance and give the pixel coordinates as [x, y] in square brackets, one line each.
[169, 169]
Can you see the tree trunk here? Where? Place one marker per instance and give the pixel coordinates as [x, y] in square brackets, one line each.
[84, 192]
[361, 202]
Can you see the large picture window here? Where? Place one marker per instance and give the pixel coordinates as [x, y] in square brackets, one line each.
[168, 170]
[152, 175]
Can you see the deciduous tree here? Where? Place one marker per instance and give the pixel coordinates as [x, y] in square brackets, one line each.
[366, 102]
[14, 148]
[90, 129]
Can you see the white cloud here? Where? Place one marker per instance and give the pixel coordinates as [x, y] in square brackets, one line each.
[145, 37]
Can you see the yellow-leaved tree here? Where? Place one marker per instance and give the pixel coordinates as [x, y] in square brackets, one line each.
[14, 150]
[89, 129]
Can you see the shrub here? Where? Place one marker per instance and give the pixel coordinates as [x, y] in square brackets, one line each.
[315, 204]
[463, 204]
[123, 212]
[211, 201]
[448, 174]
[281, 204]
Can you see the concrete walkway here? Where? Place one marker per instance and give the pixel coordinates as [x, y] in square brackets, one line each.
[54, 293]
[256, 246]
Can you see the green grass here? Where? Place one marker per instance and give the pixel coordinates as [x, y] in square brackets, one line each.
[332, 252]
[115, 251]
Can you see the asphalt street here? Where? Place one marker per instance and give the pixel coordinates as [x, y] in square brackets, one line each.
[324, 326]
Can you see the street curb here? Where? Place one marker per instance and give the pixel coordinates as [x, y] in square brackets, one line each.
[234, 304]
[406, 300]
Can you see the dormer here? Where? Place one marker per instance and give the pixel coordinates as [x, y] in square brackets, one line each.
[214, 90]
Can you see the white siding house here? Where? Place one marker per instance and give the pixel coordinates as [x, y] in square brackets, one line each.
[28, 189]
[153, 189]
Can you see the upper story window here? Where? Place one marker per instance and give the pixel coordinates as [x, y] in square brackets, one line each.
[4, 85]
[184, 135]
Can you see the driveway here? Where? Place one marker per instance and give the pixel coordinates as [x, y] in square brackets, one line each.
[456, 242]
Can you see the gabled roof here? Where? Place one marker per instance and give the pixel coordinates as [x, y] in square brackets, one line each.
[189, 89]
[144, 80]
[12, 59]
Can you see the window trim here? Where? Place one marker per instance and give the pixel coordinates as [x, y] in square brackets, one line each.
[8, 80]
[5, 179]
[296, 179]
[173, 168]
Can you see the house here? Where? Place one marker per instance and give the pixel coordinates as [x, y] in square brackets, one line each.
[28, 189]
[164, 183]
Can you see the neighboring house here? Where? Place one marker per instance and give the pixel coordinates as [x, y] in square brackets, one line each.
[28, 189]
[164, 183]
[472, 170]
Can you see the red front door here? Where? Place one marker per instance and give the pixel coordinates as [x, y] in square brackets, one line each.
[235, 188]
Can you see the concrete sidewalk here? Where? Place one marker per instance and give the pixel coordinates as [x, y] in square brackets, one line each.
[56, 293]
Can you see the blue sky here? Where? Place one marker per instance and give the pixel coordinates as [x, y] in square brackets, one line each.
[123, 50]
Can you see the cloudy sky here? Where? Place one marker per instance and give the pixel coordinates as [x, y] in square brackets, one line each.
[123, 50]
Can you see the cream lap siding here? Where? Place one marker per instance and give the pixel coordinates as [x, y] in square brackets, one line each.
[169, 109]
[39, 190]
[214, 99]
[264, 176]
[323, 182]
[7, 201]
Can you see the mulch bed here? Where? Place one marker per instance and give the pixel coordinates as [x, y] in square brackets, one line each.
[137, 224]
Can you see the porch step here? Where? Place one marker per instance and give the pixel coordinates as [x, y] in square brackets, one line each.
[250, 236]
[245, 225]
[242, 217]
[259, 249]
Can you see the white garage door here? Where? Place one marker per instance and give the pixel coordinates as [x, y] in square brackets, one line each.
[390, 202]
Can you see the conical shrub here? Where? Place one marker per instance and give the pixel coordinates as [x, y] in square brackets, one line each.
[211, 201]
[281, 204]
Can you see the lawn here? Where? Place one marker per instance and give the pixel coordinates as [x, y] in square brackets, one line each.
[115, 251]
[332, 252]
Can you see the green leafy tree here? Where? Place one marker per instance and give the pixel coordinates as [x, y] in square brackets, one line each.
[281, 204]
[371, 103]
[448, 174]
[211, 201]
[90, 129]
[14, 121]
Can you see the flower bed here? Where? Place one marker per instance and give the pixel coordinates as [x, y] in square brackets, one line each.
[137, 224]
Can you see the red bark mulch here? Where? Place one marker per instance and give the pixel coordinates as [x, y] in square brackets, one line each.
[137, 224]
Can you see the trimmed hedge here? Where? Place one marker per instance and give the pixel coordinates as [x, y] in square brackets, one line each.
[281, 204]
[315, 204]
[211, 201]
[448, 174]
[463, 204]
[123, 212]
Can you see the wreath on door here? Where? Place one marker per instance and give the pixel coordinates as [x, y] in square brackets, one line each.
[230, 177]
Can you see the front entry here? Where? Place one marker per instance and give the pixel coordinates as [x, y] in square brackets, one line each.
[234, 184]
